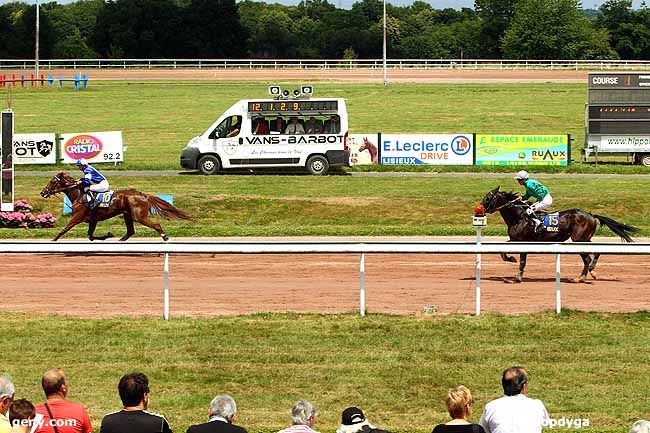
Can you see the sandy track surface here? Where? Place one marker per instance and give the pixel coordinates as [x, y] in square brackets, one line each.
[212, 285]
[358, 75]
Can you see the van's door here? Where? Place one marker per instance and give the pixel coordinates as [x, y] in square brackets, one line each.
[226, 141]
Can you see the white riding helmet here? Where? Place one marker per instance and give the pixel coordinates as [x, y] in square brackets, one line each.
[522, 175]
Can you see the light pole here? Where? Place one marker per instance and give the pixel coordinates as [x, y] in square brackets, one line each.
[38, 27]
[385, 71]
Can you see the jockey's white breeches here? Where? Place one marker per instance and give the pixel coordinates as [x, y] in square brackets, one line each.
[99, 187]
[546, 202]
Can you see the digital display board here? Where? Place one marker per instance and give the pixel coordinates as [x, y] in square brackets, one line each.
[297, 106]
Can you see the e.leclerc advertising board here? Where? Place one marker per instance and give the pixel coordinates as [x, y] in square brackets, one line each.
[518, 149]
[431, 149]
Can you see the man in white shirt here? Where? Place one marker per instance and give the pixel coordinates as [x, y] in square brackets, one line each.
[294, 127]
[514, 412]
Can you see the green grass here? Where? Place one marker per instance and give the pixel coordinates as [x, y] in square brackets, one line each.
[343, 205]
[158, 118]
[396, 368]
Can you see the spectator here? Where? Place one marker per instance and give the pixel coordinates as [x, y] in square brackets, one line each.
[303, 415]
[70, 417]
[353, 420]
[262, 127]
[332, 125]
[21, 416]
[514, 412]
[134, 418]
[221, 413]
[7, 391]
[312, 126]
[279, 125]
[294, 127]
[459, 405]
[640, 426]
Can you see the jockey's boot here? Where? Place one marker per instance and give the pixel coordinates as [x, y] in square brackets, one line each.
[92, 200]
[539, 227]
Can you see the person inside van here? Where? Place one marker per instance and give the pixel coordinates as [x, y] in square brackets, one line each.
[233, 131]
[295, 127]
[278, 125]
[262, 127]
[332, 125]
[313, 126]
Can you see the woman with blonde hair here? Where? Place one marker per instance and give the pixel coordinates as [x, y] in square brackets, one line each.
[459, 405]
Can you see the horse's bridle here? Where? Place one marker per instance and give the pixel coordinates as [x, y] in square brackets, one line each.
[492, 196]
[59, 188]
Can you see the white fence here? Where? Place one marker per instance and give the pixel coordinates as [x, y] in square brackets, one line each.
[338, 247]
[52, 64]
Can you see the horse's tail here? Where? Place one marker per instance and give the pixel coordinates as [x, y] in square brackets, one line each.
[623, 230]
[165, 209]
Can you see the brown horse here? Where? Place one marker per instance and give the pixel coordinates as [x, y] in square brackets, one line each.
[371, 148]
[132, 204]
[574, 224]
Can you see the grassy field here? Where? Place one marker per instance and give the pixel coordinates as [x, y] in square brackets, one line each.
[158, 118]
[396, 368]
[344, 205]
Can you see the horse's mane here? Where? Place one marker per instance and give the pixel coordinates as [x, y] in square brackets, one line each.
[509, 195]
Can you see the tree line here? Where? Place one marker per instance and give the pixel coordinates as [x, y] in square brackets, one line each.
[509, 29]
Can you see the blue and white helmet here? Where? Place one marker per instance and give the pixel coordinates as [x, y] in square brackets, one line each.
[81, 162]
[522, 175]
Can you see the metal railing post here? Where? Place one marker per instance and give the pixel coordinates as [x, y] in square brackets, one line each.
[362, 286]
[166, 285]
[558, 298]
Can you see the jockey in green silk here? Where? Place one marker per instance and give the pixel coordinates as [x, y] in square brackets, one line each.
[538, 191]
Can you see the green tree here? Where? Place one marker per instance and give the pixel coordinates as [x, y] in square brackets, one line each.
[548, 29]
[495, 17]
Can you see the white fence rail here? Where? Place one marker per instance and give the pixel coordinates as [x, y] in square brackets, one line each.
[338, 247]
[52, 64]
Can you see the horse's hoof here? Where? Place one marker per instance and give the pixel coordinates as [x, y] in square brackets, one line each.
[165, 238]
[512, 259]
[509, 281]
[122, 239]
[109, 235]
[577, 280]
[593, 275]
[91, 239]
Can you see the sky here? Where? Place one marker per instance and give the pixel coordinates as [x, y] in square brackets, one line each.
[438, 4]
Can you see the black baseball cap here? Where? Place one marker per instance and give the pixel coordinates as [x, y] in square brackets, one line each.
[352, 415]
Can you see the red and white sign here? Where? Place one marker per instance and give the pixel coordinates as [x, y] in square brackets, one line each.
[93, 146]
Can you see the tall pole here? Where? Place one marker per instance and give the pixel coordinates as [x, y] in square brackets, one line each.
[38, 29]
[385, 72]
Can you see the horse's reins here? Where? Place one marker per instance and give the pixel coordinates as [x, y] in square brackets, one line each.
[64, 188]
[507, 204]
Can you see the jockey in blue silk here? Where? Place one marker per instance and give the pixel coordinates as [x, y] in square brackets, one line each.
[93, 182]
[538, 191]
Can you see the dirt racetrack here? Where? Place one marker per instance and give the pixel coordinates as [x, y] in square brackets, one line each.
[207, 285]
[320, 74]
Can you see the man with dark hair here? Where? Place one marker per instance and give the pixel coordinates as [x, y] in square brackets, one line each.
[134, 418]
[514, 412]
[67, 416]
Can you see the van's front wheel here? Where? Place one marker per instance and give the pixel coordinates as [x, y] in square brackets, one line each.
[209, 164]
[318, 165]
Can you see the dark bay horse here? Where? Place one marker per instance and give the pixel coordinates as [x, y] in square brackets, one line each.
[132, 204]
[574, 224]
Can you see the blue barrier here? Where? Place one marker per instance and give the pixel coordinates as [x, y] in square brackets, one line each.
[67, 205]
[80, 81]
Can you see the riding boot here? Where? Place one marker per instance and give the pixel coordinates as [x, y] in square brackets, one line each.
[92, 200]
[539, 227]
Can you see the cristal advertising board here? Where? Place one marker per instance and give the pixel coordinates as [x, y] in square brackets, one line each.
[34, 148]
[363, 148]
[519, 149]
[93, 146]
[430, 149]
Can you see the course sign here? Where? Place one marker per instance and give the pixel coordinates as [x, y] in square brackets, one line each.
[93, 146]
[34, 148]
[497, 149]
[430, 149]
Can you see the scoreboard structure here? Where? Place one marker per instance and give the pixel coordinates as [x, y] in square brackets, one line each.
[617, 115]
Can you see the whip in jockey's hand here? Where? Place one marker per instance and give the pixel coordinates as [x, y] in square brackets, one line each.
[537, 190]
[93, 182]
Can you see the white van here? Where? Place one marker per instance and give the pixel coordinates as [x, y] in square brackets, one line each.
[310, 133]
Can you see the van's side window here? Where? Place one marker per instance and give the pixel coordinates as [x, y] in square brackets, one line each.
[235, 126]
[260, 126]
[229, 127]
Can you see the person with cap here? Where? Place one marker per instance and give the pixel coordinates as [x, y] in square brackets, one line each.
[353, 420]
[459, 405]
[93, 182]
[538, 191]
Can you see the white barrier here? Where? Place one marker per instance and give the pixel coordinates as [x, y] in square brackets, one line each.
[473, 64]
[334, 247]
